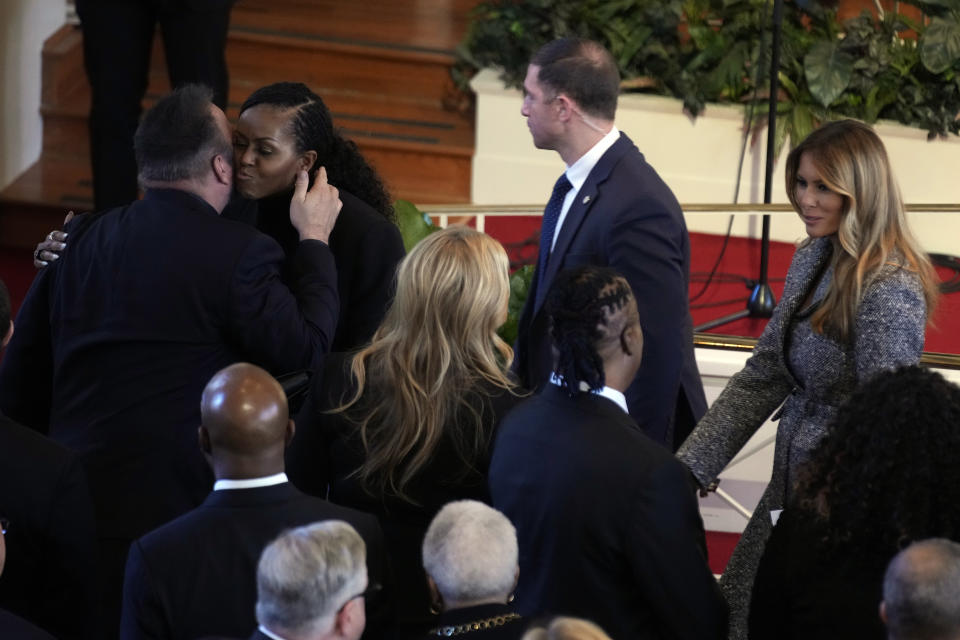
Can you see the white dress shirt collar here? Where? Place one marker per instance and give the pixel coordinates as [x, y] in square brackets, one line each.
[607, 392]
[251, 483]
[269, 634]
[578, 172]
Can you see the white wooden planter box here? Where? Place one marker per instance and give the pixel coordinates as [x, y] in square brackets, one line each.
[698, 159]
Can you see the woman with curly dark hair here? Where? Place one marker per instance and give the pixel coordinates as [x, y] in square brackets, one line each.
[885, 475]
[285, 128]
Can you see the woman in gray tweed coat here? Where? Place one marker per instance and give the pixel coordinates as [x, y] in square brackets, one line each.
[856, 301]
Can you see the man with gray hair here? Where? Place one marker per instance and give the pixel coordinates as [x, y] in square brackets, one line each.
[311, 582]
[470, 554]
[921, 592]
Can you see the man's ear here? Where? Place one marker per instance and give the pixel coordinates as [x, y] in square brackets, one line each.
[291, 431]
[6, 338]
[351, 619]
[634, 337]
[203, 439]
[222, 169]
[883, 612]
[565, 107]
[306, 160]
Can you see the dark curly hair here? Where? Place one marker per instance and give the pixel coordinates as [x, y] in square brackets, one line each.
[580, 305]
[312, 129]
[886, 473]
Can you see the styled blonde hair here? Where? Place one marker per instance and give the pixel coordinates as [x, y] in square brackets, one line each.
[852, 162]
[564, 628]
[426, 361]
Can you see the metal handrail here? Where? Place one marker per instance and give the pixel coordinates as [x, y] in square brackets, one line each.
[444, 213]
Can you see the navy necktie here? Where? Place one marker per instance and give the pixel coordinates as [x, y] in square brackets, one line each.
[550, 217]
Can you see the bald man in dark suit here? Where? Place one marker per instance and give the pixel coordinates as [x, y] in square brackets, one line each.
[196, 576]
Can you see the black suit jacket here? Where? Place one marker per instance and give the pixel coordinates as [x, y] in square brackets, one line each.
[118, 338]
[49, 575]
[366, 248]
[197, 576]
[16, 628]
[626, 217]
[804, 590]
[606, 520]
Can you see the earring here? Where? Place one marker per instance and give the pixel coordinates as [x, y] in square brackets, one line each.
[512, 597]
[436, 608]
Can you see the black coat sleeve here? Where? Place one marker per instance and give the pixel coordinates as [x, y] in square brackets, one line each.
[26, 371]
[284, 329]
[669, 559]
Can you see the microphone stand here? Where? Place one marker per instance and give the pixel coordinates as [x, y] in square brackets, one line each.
[761, 302]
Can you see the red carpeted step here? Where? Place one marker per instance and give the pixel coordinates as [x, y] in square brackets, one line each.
[719, 549]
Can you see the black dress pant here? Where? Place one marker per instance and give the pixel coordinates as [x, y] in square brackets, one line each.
[117, 40]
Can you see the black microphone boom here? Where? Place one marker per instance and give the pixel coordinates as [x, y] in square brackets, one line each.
[761, 302]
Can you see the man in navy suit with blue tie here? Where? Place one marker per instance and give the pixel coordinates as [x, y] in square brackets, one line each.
[610, 208]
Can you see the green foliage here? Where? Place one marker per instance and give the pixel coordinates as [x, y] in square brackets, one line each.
[718, 51]
[828, 71]
[941, 44]
[414, 224]
[519, 289]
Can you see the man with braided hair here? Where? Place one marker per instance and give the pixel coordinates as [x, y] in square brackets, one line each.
[607, 525]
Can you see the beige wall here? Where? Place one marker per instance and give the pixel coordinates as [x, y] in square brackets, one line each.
[698, 159]
[24, 25]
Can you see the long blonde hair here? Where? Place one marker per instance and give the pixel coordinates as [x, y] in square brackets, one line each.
[427, 360]
[566, 628]
[852, 162]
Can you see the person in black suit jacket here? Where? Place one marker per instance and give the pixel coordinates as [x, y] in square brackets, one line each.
[285, 127]
[49, 528]
[117, 42]
[470, 557]
[614, 211]
[195, 576]
[12, 626]
[607, 522]
[118, 337]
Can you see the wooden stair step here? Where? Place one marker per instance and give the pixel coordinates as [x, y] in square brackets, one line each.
[424, 25]
[381, 66]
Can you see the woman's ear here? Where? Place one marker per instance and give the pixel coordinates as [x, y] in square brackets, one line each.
[306, 160]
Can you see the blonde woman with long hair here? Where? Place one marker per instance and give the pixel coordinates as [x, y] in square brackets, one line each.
[406, 424]
[565, 628]
[856, 301]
